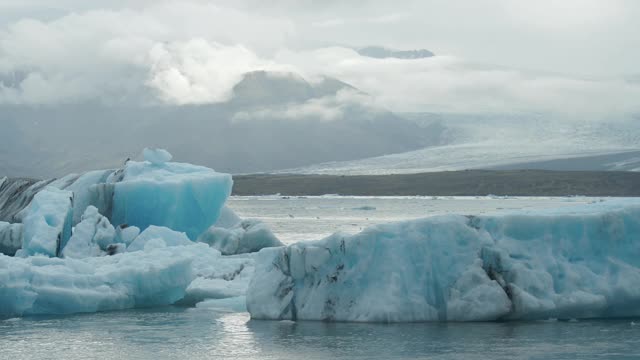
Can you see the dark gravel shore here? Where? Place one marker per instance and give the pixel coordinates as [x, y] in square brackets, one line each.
[450, 183]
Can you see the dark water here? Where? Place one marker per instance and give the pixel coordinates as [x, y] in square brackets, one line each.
[180, 333]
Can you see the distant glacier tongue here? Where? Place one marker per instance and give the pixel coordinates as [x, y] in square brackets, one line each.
[581, 262]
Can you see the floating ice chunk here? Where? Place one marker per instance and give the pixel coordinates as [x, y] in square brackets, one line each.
[247, 236]
[41, 285]
[228, 278]
[10, 238]
[183, 197]
[157, 276]
[91, 236]
[160, 237]
[569, 263]
[47, 222]
[156, 156]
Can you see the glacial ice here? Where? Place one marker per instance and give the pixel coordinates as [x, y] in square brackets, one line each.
[91, 237]
[125, 234]
[247, 236]
[155, 276]
[47, 222]
[98, 266]
[158, 236]
[582, 262]
[183, 197]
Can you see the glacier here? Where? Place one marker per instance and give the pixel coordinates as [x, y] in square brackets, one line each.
[581, 262]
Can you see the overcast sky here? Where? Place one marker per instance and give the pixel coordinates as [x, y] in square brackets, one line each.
[493, 55]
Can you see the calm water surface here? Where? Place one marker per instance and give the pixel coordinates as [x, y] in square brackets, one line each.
[200, 333]
[180, 333]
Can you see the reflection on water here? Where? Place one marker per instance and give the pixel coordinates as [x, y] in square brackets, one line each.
[204, 334]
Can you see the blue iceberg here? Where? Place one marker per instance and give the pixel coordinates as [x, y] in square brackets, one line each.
[183, 197]
[582, 262]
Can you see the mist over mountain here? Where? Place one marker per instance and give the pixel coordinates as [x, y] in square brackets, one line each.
[250, 86]
[273, 121]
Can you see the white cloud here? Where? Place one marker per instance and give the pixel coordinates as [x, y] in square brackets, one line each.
[116, 55]
[198, 71]
[327, 108]
[145, 51]
[450, 84]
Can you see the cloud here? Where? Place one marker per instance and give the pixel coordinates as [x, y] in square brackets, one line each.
[120, 55]
[326, 108]
[144, 52]
[198, 71]
[449, 84]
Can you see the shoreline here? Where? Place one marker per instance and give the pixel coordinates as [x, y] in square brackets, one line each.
[448, 183]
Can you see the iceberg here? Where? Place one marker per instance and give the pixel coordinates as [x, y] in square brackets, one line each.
[47, 222]
[183, 197]
[247, 236]
[154, 277]
[581, 262]
[149, 258]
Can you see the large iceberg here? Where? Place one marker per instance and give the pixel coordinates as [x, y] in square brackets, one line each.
[157, 276]
[570, 263]
[70, 258]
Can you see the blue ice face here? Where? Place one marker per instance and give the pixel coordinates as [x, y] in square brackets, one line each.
[570, 263]
[183, 197]
[47, 222]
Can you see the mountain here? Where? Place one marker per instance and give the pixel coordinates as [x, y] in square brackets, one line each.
[379, 52]
[273, 121]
